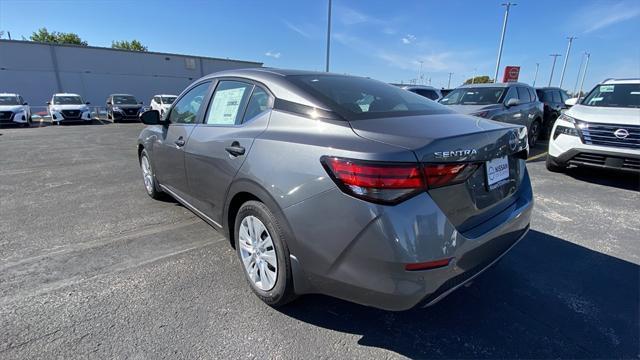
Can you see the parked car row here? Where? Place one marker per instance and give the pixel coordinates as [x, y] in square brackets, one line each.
[70, 107]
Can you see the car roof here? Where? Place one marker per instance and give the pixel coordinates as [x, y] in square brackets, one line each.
[164, 95]
[65, 94]
[549, 88]
[509, 84]
[121, 95]
[622, 81]
[409, 86]
[279, 85]
[9, 94]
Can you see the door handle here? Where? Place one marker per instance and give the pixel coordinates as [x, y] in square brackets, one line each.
[180, 142]
[235, 149]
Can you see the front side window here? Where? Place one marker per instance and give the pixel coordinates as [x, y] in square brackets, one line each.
[9, 100]
[356, 98]
[523, 95]
[614, 95]
[67, 100]
[124, 100]
[556, 97]
[186, 109]
[511, 94]
[228, 103]
[474, 96]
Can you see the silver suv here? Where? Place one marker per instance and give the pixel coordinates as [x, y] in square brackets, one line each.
[341, 185]
[513, 103]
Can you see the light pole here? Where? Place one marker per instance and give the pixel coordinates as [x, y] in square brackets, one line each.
[504, 30]
[584, 73]
[566, 59]
[326, 68]
[555, 56]
[420, 71]
[449, 83]
[535, 77]
[575, 87]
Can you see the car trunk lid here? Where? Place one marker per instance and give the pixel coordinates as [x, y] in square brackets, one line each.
[458, 139]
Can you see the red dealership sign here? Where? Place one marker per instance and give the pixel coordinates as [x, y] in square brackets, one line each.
[511, 74]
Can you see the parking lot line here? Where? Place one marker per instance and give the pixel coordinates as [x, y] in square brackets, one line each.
[537, 156]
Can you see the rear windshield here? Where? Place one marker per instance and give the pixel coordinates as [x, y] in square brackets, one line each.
[9, 100]
[356, 98]
[67, 100]
[168, 99]
[474, 96]
[124, 100]
[614, 95]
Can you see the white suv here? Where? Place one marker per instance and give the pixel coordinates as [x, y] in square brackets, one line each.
[162, 103]
[14, 110]
[65, 107]
[603, 130]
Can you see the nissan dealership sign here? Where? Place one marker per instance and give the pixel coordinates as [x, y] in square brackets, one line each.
[511, 74]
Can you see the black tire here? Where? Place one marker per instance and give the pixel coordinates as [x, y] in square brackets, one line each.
[534, 133]
[154, 191]
[555, 166]
[282, 292]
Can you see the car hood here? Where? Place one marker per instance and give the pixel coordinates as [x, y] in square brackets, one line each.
[606, 115]
[13, 108]
[128, 106]
[472, 109]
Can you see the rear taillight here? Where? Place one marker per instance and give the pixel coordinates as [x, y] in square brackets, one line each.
[385, 183]
[391, 183]
[438, 175]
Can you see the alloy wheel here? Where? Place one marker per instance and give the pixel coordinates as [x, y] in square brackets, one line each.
[258, 253]
[147, 174]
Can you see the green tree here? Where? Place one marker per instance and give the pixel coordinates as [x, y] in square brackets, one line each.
[43, 35]
[133, 45]
[484, 79]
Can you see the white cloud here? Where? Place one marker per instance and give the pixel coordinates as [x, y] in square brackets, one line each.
[603, 15]
[297, 29]
[273, 54]
[408, 39]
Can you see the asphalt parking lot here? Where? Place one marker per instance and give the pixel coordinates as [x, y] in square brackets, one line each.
[93, 267]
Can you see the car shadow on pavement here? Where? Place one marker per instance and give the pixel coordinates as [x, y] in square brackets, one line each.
[548, 298]
[619, 179]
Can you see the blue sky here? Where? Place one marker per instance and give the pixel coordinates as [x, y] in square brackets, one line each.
[380, 39]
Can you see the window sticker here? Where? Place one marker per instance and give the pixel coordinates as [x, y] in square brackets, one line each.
[606, 88]
[225, 106]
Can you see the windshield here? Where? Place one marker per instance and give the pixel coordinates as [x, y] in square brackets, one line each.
[168, 99]
[473, 96]
[9, 100]
[618, 95]
[124, 100]
[67, 100]
[356, 98]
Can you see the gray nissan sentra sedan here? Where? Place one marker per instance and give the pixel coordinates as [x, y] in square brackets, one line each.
[341, 185]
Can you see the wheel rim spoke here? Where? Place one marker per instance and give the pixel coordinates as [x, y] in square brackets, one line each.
[257, 253]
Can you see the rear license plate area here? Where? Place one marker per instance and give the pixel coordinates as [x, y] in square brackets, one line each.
[497, 172]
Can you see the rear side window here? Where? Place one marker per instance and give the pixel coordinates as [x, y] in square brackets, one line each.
[186, 109]
[258, 103]
[355, 98]
[523, 95]
[429, 94]
[228, 103]
[556, 96]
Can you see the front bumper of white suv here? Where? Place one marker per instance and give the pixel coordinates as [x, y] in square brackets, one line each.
[582, 143]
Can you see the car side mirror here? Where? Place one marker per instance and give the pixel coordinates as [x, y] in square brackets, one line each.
[151, 117]
[87, 103]
[512, 102]
[141, 103]
[571, 102]
[48, 102]
[108, 102]
[26, 103]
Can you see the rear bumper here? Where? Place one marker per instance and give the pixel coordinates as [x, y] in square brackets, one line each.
[358, 251]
